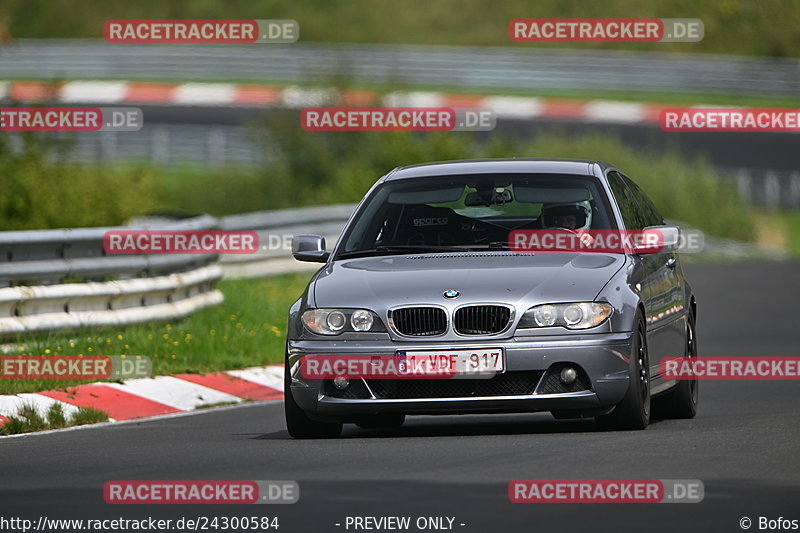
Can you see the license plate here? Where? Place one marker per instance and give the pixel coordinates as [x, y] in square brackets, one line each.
[451, 362]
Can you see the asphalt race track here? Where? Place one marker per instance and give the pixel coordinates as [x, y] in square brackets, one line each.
[743, 445]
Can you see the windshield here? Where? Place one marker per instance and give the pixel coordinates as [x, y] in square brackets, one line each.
[473, 212]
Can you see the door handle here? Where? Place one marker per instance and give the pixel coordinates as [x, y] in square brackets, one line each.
[671, 262]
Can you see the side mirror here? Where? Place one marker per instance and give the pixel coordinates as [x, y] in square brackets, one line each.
[309, 248]
[656, 239]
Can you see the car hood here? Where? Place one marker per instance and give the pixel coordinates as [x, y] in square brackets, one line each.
[520, 279]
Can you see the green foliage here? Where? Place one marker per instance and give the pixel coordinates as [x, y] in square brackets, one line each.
[764, 27]
[41, 188]
[792, 221]
[88, 415]
[28, 419]
[190, 190]
[338, 167]
[56, 417]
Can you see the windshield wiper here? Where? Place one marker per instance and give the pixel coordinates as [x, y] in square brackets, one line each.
[497, 245]
[402, 249]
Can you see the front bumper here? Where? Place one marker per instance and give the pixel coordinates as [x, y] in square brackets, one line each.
[603, 360]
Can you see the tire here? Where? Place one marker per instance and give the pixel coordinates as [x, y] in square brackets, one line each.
[382, 421]
[682, 401]
[298, 424]
[633, 412]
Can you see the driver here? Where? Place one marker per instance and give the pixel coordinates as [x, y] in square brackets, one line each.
[575, 216]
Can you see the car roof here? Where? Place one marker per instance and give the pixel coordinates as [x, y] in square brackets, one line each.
[581, 167]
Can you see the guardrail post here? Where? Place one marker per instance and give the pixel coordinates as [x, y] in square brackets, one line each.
[108, 145]
[743, 182]
[794, 190]
[160, 146]
[216, 146]
[772, 190]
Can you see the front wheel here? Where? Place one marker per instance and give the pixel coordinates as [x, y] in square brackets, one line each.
[298, 424]
[633, 412]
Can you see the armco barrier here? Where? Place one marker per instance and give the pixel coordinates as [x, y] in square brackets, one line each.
[275, 229]
[53, 256]
[63, 278]
[521, 68]
[111, 303]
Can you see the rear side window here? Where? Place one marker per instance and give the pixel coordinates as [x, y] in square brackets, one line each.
[632, 215]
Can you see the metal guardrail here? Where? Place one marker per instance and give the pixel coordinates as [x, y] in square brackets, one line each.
[113, 303]
[63, 278]
[519, 67]
[275, 229]
[766, 188]
[53, 256]
[57, 279]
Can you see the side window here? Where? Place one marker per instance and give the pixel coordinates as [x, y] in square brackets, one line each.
[631, 214]
[651, 215]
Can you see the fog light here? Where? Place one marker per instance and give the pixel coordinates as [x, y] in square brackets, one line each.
[341, 382]
[568, 375]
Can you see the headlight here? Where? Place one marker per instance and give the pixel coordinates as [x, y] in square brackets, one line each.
[544, 315]
[335, 321]
[582, 315]
[361, 320]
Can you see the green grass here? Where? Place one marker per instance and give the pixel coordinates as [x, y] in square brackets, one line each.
[215, 405]
[766, 27]
[28, 419]
[247, 329]
[792, 222]
[193, 190]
